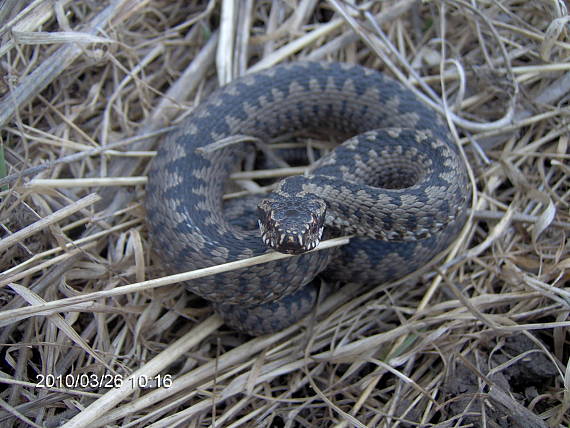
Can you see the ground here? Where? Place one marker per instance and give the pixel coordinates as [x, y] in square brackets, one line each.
[96, 333]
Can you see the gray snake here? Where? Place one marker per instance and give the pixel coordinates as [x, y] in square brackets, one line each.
[398, 184]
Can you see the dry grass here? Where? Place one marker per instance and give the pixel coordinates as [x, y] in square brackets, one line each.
[88, 91]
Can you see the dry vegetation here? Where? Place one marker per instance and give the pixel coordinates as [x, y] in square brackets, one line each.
[89, 88]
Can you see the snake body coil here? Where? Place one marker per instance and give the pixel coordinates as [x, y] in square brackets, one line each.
[398, 184]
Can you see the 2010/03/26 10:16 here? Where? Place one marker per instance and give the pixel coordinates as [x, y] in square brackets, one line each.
[93, 380]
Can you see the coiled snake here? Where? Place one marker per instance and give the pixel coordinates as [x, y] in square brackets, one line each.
[399, 185]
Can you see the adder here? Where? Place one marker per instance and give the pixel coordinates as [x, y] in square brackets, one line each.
[398, 184]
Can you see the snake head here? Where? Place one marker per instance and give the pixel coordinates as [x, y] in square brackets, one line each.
[292, 225]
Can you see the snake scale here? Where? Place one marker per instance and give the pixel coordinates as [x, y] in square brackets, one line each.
[398, 184]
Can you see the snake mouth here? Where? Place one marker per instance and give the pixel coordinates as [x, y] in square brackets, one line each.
[288, 242]
[291, 225]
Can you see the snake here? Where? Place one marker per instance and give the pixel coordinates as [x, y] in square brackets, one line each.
[395, 182]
